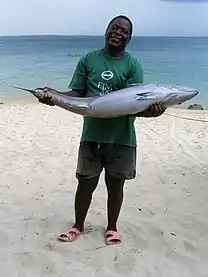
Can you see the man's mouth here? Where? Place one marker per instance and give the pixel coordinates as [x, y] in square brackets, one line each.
[115, 38]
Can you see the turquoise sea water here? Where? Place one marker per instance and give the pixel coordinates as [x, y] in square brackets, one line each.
[35, 61]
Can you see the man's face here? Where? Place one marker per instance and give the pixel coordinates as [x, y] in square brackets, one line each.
[118, 33]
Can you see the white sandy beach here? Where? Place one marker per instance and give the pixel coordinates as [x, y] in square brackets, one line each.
[163, 222]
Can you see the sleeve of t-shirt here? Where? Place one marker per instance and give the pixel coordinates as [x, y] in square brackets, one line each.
[136, 73]
[78, 81]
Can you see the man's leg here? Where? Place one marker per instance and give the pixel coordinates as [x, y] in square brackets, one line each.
[115, 200]
[89, 167]
[83, 198]
[120, 165]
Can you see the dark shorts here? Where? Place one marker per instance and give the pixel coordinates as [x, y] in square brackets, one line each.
[118, 161]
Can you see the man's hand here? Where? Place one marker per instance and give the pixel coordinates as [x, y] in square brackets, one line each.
[154, 110]
[47, 99]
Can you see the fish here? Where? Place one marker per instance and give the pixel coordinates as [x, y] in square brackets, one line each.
[131, 100]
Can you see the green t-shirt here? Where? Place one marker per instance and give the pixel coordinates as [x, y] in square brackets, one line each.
[98, 74]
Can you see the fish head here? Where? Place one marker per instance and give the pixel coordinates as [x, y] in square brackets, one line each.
[170, 94]
[167, 93]
[177, 94]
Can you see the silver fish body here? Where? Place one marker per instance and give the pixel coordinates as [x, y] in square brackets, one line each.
[131, 100]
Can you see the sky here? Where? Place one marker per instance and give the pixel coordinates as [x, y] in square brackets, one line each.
[90, 17]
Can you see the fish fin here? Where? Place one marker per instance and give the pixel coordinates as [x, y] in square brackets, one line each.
[147, 95]
[133, 85]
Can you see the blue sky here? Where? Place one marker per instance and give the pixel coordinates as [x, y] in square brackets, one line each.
[65, 17]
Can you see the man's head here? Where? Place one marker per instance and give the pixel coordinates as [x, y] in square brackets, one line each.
[119, 32]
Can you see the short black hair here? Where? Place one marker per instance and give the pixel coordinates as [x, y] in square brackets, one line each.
[124, 17]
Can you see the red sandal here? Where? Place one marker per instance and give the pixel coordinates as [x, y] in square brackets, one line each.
[71, 235]
[112, 237]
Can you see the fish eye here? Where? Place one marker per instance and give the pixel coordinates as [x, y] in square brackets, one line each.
[174, 89]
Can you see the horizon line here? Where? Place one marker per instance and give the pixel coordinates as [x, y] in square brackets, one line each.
[60, 35]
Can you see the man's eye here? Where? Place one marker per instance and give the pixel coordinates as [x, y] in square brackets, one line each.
[125, 31]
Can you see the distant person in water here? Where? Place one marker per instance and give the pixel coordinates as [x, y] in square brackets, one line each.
[108, 144]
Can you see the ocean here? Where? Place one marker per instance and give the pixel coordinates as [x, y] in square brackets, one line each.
[35, 61]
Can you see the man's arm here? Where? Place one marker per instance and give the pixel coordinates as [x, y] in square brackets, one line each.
[77, 85]
[78, 82]
[136, 76]
[73, 93]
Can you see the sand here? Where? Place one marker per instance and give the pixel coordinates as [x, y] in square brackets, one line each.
[163, 222]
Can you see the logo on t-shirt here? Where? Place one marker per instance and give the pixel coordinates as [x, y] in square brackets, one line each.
[107, 75]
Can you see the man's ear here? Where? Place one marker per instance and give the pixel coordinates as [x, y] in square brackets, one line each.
[128, 40]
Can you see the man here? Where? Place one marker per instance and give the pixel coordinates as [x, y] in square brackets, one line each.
[105, 143]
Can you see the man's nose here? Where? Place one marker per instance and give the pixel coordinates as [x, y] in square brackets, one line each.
[118, 31]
